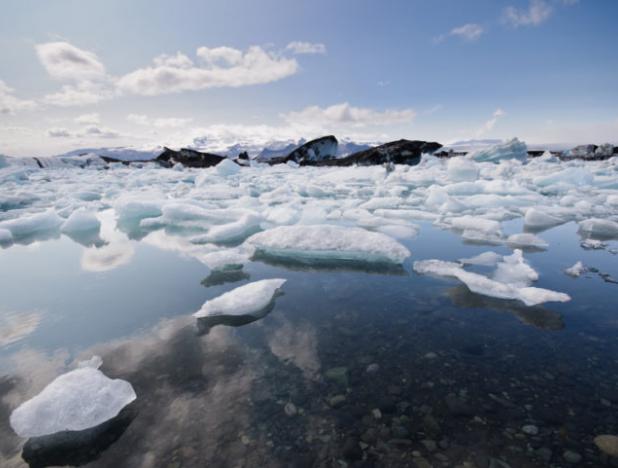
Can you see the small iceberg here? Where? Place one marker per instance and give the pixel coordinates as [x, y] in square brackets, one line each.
[78, 400]
[241, 305]
[511, 279]
[330, 243]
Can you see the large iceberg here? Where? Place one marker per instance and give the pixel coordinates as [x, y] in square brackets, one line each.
[329, 242]
[510, 280]
[75, 401]
[512, 149]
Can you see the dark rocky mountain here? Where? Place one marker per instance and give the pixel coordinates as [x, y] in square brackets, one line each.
[396, 152]
[188, 157]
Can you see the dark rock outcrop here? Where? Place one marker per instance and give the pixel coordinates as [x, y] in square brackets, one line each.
[188, 157]
[312, 152]
[396, 152]
[242, 159]
[591, 152]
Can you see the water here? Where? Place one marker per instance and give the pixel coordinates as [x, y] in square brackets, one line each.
[353, 365]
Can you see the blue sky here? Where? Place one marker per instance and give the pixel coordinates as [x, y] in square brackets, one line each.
[107, 73]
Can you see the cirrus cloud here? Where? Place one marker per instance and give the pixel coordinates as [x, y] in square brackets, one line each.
[299, 47]
[537, 12]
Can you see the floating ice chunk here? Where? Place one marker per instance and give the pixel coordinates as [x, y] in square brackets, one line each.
[526, 239]
[5, 237]
[228, 259]
[484, 259]
[481, 237]
[510, 281]
[238, 230]
[249, 299]
[80, 221]
[576, 270]
[136, 209]
[461, 169]
[473, 223]
[539, 220]
[399, 231]
[39, 223]
[566, 177]
[515, 271]
[77, 400]
[599, 228]
[227, 167]
[407, 214]
[513, 149]
[326, 242]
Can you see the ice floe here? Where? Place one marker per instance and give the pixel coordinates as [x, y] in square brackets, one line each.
[576, 270]
[81, 221]
[247, 300]
[75, 401]
[510, 280]
[329, 242]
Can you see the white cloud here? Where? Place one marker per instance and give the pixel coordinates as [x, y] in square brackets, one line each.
[64, 61]
[9, 104]
[538, 11]
[159, 122]
[299, 47]
[491, 123]
[469, 32]
[80, 94]
[345, 114]
[100, 132]
[220, 67]
[59, 133]
[91, 131]
[88, 119]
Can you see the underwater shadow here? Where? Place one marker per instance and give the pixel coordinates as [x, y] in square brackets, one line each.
[322, 265]
[536, 316]
[219, 277]
[204, 324]
[76, 448]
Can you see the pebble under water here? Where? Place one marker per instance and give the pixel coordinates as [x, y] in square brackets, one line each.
[353, 365]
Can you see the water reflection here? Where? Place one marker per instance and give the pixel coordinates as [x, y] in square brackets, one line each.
[219, 277]
[537, 316]
[109, 250]
[15, 325]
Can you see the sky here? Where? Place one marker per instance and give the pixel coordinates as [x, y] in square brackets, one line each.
[90, 73]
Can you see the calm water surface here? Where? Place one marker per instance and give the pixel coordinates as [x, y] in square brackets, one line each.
[353, 366]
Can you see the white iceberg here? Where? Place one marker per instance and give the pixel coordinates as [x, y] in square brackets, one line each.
[511, 280]
[513, 149]
[599, 228]
[46, 222]
[237, 230]
[246, 300]
[539, 220]
[526, 239]
[483, 259]
[576, 270]
[461, 169]
[329, 242]
[78, 400]
[81, 221]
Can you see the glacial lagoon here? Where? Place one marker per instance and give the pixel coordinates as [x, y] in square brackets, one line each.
[354, 363]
